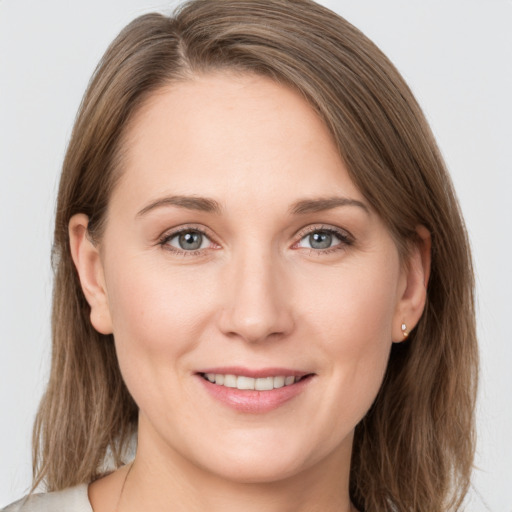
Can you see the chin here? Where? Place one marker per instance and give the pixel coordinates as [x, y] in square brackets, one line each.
[264, 460]
[258, 470]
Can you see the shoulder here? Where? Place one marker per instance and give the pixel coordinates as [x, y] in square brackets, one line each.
[74, 499]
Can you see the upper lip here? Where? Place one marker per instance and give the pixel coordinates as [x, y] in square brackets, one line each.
[255, 372]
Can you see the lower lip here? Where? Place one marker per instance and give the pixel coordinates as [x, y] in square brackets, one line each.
[252, 401]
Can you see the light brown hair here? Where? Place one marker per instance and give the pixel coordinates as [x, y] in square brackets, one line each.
[414, 449]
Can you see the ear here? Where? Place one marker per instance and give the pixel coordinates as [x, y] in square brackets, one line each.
[413, 288]
[86, 257]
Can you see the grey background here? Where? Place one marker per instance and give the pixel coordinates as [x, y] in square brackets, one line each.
[456, 56]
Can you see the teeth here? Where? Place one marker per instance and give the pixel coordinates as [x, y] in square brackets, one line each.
[279, 382]
[265, 384]
[229, 381]
[243, 382]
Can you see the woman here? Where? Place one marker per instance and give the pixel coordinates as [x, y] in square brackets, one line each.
[261, 272]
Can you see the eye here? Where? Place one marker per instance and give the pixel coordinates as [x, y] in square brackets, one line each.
[187, 240]
[321, 239]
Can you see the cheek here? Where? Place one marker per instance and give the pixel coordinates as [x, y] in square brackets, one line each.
[151, 307]
[156, 317]
[354, 321]
[356, 305]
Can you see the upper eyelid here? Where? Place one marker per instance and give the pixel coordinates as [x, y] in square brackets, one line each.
[172, 232]
[323, 227]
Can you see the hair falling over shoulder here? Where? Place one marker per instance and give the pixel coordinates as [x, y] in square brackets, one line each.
[414, 449]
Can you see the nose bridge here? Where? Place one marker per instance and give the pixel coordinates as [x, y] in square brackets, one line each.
[256, 304]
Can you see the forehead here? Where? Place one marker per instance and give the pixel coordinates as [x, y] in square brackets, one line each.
[223, 135]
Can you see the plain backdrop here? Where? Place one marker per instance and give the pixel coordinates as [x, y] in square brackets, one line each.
[455, 54]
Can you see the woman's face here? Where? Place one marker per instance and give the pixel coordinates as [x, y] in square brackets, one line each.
[238, 250]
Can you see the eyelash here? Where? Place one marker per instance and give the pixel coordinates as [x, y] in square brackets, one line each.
[167, 237]
[344, 238]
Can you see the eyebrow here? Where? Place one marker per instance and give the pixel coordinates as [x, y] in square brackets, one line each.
[202, 204]
[208, 205]
[321, 204]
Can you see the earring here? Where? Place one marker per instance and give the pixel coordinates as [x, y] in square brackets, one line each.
[404, 330]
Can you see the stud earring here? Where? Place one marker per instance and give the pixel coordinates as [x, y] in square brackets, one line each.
[404, 330]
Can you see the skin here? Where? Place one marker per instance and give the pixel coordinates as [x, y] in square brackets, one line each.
[256, 294]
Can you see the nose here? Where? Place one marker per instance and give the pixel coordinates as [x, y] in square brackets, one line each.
[257, 304]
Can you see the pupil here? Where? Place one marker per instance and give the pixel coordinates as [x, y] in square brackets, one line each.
[320, 240]
[190, 241]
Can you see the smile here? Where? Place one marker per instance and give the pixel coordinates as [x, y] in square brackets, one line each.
[254, 391]
[243, 382]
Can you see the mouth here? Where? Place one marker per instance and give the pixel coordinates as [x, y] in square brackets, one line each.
[254, 391]
[244, 382]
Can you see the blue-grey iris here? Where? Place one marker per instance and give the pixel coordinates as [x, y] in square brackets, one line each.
[320, 240]
[190, 240]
